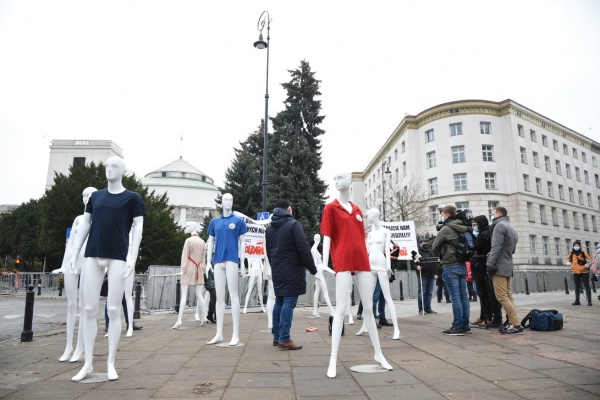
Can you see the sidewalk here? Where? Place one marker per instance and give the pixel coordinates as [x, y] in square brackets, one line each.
[162, 363]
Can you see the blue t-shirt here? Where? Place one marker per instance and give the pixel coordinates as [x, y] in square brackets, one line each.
[226, 231]
[112, 217]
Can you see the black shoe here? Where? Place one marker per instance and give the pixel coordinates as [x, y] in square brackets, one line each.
[430, 312]
[468, 330]
[137, 327]
[384, 322]
[439, 300]
[448, 301]
[577, 303]
[454, 332]
[589, 303]
[359, 316]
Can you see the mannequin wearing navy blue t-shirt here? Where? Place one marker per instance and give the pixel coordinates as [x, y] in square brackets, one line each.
[109, 217]
[225, 250]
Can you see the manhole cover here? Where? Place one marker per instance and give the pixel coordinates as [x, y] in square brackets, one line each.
[205, 388]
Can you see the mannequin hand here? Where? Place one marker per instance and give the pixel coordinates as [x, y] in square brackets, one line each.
[182, 270]
[58, 271]
[243, 272]
[389, 273]
[73, 265]
[435, 277]
[418, 268]
[128, 270]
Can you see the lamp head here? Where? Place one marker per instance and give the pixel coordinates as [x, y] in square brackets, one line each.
[260, 43]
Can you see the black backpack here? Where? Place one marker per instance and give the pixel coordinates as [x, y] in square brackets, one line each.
[546, 320]
[465, 247]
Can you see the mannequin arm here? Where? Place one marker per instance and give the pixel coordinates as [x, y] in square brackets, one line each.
[83, 229]
[326, 247]
[210, 245]
[241, 241]
[136, 239]
[388, 260]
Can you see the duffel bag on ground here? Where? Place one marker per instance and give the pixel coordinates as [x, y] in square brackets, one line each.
[543, 320]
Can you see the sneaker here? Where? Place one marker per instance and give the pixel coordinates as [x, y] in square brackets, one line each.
[358, 316]
[454, 332]
[384, 322]
[495, 325]
[448, 301]
[577, 303]
[511, 330]
[467, 330]
[430, 312]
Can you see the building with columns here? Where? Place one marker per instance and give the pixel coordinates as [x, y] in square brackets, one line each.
[479, 154]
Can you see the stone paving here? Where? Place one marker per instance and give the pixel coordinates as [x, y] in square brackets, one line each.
[159, 362]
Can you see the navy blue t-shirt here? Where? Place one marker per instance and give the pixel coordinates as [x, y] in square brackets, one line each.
[112, 217]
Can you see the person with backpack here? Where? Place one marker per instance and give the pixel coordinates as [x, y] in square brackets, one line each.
[454, 270]
[581, 273]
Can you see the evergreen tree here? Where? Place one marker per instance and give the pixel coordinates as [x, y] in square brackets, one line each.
[295, 150]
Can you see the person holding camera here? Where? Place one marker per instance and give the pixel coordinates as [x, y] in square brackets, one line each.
[581, 273]
[455, 272]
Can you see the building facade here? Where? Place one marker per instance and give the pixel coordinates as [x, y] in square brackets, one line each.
[479, 154]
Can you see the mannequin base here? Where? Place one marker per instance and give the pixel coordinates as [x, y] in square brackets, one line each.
[368, 369]
[83, 373]
[226, 345]
[215, 340]
[94, 378]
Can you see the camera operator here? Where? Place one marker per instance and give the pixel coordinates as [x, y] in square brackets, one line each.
[454, 271]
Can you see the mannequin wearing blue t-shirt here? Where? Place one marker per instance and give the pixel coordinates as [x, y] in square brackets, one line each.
[225, 252]
[109, 217]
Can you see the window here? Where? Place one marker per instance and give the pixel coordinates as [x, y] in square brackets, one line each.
[488, 152]
[555, 145]
[558, 172]
[568, 169]
[536, 160]
[435, 215]
[491, 206]
[547, 163]
[397, 174]
[575, 153]
[526, 182]
[395, 154]
[597, 178]
[571, 195]
[458, 154]
[485, 128]
[545, 246]
[433, 186]
[554, 216]
[373, 179]
[544, 141]
[580, 196]
[594, 225]
[575, 220]
[550, 189]
[583, 157]
[369, 182]
[462, 205]
[403, 147]
[523, 155]
[543, 216]
[589, 199]
[429, 136]
[561, 192]
[586, 226]
[557, 246]
[566, 149]
[78, 161]
[586, 177]
[594, 162]
[532, 134]
[456, 129]
[490, 180]
[404, 169]
[431, 160]
[530, 214]
[565, 219]
[532, 250]
[521, 131]
[577, 174]
[460, 181]
[568, 243]
[538, 185]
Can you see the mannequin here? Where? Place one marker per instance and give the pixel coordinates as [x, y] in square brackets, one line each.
[192, 272]
[343, 233]
[109, 216]
[226, 238]
[71, 281]
[381, 266]
[271, 293]
[255, 278]
[320, 284]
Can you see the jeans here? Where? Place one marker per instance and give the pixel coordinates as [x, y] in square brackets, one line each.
[124, 303]
[378, 301]
[455, 280]
[428, 292]
[283, 312]
[441, 288]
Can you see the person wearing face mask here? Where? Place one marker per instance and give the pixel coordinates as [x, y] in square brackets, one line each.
[595, 266]
[578, 259]
[428, 271]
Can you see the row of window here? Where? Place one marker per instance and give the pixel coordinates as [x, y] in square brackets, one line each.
[461, 205]
[485, 128]
[561, 192]
[557, 164]
[554, 212]
[533, 250]
[460, 182]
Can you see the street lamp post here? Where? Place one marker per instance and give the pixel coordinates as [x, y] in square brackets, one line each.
[385, 163]
[261, 44]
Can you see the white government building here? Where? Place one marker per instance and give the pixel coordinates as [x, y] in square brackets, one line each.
[190, 191]
[480, 154]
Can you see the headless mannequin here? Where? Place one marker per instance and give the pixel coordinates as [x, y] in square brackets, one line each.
[343, 284]
[256, 272]
[381, 267]
[192, 245]
[320, 284]
[71, 281]
[118, 272]
[226, 272]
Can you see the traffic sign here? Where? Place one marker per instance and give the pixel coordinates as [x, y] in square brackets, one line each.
[262, 216]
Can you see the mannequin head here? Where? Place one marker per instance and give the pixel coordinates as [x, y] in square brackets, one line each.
[372, 215]
[227, 202]
[115, 168]
[191, 227]
[317, 239]
[87, 193]
[342, 180]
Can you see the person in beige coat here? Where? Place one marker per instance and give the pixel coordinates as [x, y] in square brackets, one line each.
[193, 265]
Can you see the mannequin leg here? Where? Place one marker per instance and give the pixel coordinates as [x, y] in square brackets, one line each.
[91, 284]
[323, 285]
[251, 282]
[365, 288]
[260, 292]
[79, 348]
[232, 283]
[129, 302]
[71, 292]
[363, 329]
[316, 299]
[349, 307]
[343, 282]
[385, 289]
[200, 304]
[270, 304]
[220, 281]
[182, 303]
[116, 287]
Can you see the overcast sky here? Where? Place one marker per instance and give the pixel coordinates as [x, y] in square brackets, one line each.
[144, 73]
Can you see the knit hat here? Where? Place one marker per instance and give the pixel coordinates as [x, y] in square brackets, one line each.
[281, 203]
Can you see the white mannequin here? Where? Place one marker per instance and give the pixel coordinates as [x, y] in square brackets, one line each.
[256, 277]
[226, 273]
[320, 284]
[381, 266]
[271, 293]
[71, 282]
[118, 272]
[191, 228]
[343, 282]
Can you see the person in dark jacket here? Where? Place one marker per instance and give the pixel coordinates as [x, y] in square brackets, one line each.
[490, 315]
[209, 285]
[427, 269]
[288, 254]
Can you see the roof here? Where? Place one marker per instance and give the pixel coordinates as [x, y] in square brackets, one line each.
[181, 171]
